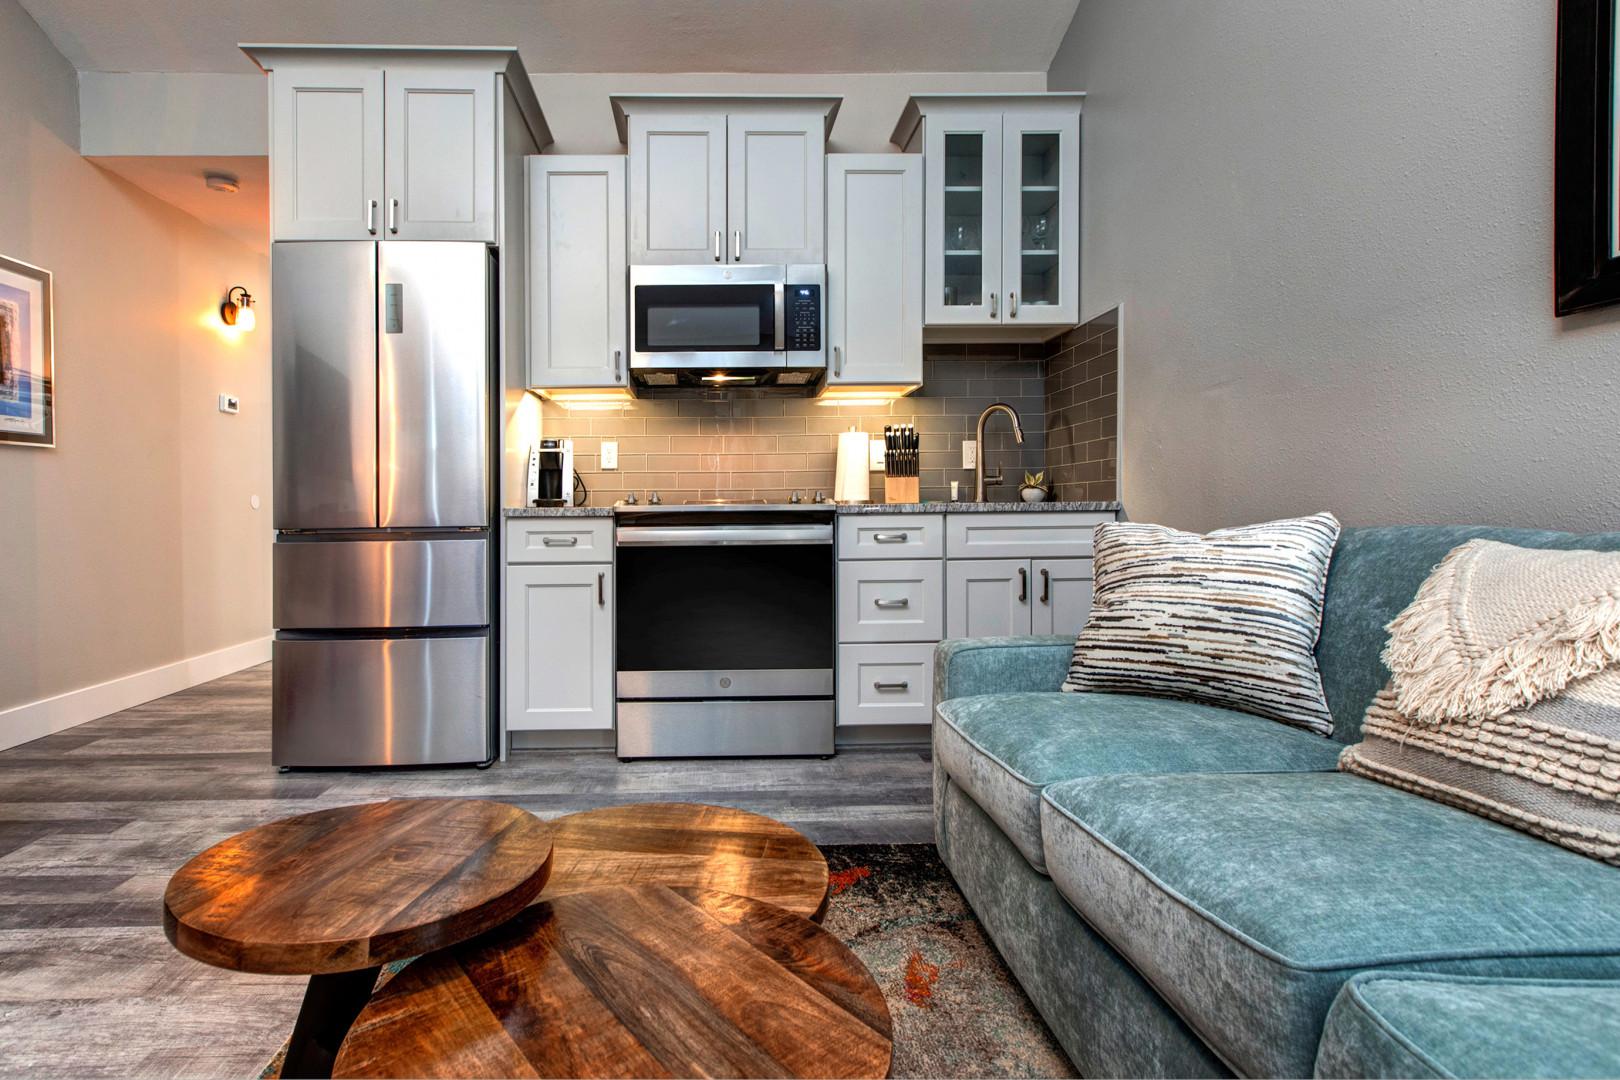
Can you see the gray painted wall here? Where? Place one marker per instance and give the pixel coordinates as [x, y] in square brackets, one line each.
[1330, 226]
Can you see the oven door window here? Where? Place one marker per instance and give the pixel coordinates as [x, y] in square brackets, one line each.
[725, 608]
[705, 318]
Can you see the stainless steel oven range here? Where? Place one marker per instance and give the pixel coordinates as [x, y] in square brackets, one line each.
[725, 630]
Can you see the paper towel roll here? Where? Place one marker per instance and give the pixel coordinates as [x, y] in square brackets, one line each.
[853, 482]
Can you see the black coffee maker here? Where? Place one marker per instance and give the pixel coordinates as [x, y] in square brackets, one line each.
[551, 473]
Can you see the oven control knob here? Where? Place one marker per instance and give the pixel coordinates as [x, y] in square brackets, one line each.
[795, 498]
[653, 499]
[630, 498]
[725, 683]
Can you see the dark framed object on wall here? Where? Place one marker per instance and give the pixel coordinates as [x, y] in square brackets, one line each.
[1586, 210]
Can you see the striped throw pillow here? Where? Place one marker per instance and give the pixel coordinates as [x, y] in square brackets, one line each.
[1230, 618]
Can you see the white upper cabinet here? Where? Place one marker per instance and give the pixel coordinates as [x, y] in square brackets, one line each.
[577, 271]
[327, 145]
[774, 187]
[874, 269]
[678, 188]
[1003, 210]
[726, 180]
[397, 144]
[439, 153]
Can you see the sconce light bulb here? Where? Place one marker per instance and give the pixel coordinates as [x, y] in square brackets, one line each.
[245, 319]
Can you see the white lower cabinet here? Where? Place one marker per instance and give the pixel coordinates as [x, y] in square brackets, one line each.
[885, 684]
[1009, 597]
[898, 600]
[559, 647]
[1062, 595]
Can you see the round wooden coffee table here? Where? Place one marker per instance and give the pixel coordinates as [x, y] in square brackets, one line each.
[337, 893]
[689, 845]
[640, 980]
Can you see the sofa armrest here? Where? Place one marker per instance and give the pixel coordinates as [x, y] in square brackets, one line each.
[1000, 665]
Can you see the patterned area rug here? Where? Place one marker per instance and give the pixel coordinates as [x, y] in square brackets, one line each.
[957, 1010]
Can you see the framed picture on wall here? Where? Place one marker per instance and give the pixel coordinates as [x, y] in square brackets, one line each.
[1586, 200]
[27, 367]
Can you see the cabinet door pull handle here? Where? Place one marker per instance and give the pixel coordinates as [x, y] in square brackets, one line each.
[736, 246]
[1046, 586]
[903, 602]
[618, 371]
[371, 216]
[1023, 584]
[717, 234]
[1012, 305]
[393, 215]
[601, 589]
[560, 541]
[992, 305]
[883, 686]
[838, 360]
[890, 538]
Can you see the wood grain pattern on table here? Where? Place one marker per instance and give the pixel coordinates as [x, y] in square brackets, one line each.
[356, 886]
[689, 845]
[640, 980]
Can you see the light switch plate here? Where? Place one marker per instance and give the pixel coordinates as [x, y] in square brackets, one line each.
[610, 454]
[230, 403]
[970, 453]
[874, 454]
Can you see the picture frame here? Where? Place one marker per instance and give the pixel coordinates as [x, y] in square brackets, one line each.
[1586, 204]
[27, 355]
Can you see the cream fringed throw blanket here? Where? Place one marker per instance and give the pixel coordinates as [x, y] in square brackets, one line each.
[1505, 695]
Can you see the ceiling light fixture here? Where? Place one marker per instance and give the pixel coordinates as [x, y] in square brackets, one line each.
[238, 312]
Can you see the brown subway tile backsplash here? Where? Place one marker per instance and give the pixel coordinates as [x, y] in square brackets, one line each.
[1082, 405]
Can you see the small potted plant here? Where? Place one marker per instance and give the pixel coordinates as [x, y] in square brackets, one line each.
[1034, 488]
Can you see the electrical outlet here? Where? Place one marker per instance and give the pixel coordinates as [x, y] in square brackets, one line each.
[874, 454]
[970, 453]
[230, 403]
[610, 454]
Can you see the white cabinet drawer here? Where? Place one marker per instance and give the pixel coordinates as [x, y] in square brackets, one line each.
[891, 536]
[885, 684]
[559, 540]
[891, 600]
[1015, 535]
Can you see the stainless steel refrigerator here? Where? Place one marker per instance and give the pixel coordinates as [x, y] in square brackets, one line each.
[382, 601]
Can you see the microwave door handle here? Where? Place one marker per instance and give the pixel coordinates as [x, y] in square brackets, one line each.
[781, 317]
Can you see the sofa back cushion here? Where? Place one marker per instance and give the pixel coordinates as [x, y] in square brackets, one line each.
[1376, 572]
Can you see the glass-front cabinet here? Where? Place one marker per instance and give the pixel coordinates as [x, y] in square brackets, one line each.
[1002, 208]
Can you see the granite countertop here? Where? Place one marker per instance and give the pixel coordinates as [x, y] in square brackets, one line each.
[946, 507]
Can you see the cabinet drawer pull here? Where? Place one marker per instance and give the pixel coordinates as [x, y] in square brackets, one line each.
[1046, 586]
[371, 216]
[992, 305]
[890, 538]
[1023, 584]
[900, 603]
[717, 234]
[1012, 305]
[838, 361]
[736, 246]
[601, 589]
[560, 541]
[618, 372]
[885, 686]
[393, 215]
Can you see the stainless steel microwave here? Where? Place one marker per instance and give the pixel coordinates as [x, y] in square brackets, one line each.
[730, 325]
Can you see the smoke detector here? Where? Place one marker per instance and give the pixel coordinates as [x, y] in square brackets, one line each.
[222, 181]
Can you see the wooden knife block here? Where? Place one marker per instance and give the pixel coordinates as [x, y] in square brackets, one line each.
[901, 489]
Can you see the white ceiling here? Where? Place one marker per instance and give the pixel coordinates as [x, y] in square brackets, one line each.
[576, 35]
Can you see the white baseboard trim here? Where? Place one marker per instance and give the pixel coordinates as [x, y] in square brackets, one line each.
[25, 723]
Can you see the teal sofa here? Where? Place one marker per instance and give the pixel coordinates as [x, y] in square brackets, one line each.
[1185, 890]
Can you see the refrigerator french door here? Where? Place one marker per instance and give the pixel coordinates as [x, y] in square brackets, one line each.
[382, 593]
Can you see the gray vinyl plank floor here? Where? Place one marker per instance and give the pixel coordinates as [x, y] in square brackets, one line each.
[93, 821]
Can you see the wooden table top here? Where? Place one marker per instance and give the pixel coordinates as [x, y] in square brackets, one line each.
[639, 980]
[357, 886]
[689, 845]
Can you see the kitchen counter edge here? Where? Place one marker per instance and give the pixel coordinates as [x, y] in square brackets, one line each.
[942, 507]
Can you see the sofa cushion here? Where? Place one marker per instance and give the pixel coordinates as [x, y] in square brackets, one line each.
[1375, 573]
[1248, 900]
[1445, 1026]
[1002, 749]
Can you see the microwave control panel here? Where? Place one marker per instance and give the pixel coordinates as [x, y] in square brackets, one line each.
[802, 332]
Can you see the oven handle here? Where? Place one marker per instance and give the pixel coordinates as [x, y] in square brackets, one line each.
[721, 535]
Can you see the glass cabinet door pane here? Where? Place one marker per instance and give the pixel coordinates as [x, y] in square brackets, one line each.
[964, 219]
[1040, 183]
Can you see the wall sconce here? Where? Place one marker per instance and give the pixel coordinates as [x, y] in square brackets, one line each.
[238, 312]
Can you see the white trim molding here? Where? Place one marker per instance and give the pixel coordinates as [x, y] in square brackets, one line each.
[36, 719]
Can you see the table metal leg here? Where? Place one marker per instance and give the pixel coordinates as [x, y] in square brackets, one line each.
[330, 1006]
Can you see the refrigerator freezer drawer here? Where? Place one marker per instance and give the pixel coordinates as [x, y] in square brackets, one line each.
[376, 584]
[380, 701]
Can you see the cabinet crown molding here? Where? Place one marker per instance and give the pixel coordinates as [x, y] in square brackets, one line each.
[625, 104]
[919, 105]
